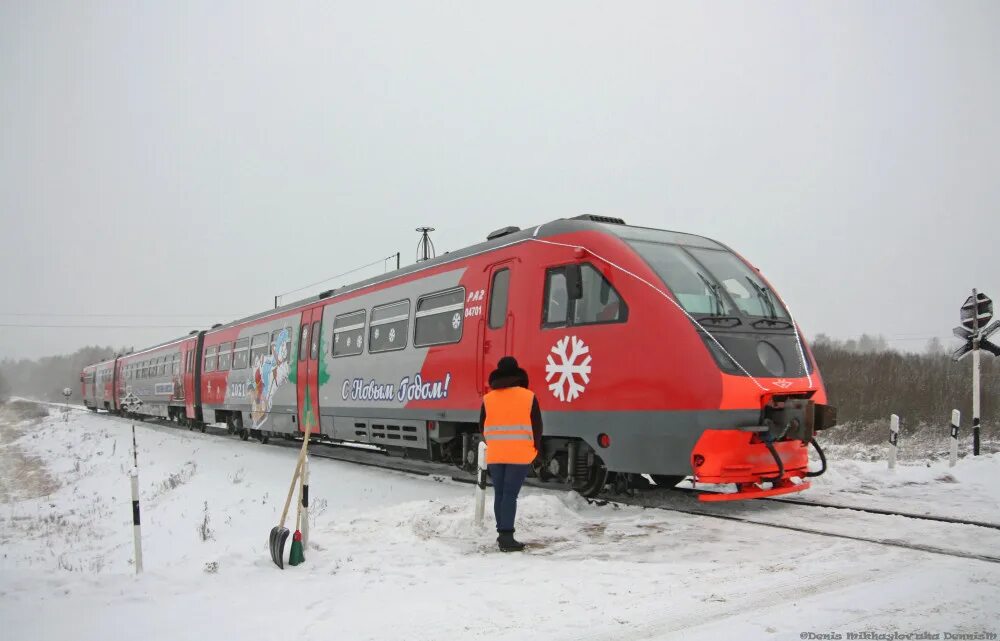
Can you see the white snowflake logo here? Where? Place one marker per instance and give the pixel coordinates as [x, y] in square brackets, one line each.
[359, 340]
[376, 333]
[336, 338]
[348, 341]
[566, 388]
[456, 320]
[392, 334]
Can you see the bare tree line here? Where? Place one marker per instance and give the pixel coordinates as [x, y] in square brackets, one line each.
[45, 378]
[867, 382]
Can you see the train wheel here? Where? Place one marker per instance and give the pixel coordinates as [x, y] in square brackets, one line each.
[590, 480]
[264, 437]
[667, 481]
[244, 435]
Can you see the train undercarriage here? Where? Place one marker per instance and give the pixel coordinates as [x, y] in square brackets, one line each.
[569, 461]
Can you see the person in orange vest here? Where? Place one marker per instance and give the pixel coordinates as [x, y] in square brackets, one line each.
[511, 423]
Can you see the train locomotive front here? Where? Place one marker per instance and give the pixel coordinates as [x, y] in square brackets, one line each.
[704, 374]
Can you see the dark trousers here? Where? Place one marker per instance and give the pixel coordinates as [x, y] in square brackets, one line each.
[507, 481]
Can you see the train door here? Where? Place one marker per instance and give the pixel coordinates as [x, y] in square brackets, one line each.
[497, 324]
[307, 370]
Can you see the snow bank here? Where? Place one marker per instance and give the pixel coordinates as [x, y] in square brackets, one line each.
[398, 557]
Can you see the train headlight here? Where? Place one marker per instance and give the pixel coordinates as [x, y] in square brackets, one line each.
[698, 460]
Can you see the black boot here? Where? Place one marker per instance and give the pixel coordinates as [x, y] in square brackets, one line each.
[507, 543]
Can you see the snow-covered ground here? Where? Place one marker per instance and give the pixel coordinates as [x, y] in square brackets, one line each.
[394, 556]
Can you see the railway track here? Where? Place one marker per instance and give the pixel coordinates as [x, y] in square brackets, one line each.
[679, 500]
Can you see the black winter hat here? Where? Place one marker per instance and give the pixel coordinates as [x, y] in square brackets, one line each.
[507, 365]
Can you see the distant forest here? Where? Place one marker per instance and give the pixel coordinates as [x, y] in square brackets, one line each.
[865, 379]
[868, 382]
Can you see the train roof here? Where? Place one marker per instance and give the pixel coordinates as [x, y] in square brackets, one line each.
[500, 238]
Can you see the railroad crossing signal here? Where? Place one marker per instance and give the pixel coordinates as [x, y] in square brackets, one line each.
[976, 313]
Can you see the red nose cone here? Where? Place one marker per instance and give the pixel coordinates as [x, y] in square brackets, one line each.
[603, 440]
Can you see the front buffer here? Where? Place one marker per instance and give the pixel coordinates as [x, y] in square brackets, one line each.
[775, 452]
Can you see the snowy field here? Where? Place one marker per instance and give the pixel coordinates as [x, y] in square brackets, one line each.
[394, 556]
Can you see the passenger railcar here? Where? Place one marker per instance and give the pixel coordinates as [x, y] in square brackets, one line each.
[651, 352]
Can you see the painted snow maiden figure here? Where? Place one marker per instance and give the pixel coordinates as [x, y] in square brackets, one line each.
[511, 423]
[267, 375]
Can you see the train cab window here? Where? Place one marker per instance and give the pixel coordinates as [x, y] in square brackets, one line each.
[304, 342]
[348, 334]
[225, 356]
[556, 299]
[600, 303]
[314, 344]
[241, 353]
[499, 290]
[439, 318]
[258, 348]
[210, 359]
[388, 327]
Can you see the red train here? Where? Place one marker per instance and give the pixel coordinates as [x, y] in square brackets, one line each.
[651, 352]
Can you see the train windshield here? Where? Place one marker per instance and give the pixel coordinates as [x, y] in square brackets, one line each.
[710, 281]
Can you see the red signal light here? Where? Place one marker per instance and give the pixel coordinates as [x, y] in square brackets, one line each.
[603, 440]
[698, 460]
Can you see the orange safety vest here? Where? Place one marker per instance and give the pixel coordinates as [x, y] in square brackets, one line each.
[507, 428]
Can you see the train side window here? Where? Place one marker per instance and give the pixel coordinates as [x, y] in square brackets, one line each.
[388, 327]
[258, 347]
[556, 299]
[210, 359]
[303, 342]
[241, 351]
[439, 318]
[348, 334]
[225, 356]
[175, 367]
[601, 303]
[314, 345]
[499, 291]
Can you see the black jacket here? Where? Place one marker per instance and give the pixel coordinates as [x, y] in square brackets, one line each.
[519, 379]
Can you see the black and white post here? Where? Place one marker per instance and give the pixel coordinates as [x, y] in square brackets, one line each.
[893, 440]
[136, 533]
[976, 314]
[481, 484]
[956, 420]
[304, 527]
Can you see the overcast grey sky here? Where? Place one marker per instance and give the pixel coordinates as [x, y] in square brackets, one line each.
[197, 158]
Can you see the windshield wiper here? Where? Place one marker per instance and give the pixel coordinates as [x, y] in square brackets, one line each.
[765, 296]
[771, 323]
[728, 321]
[716, 297]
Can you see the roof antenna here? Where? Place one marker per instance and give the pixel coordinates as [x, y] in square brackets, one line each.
[425, 248]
